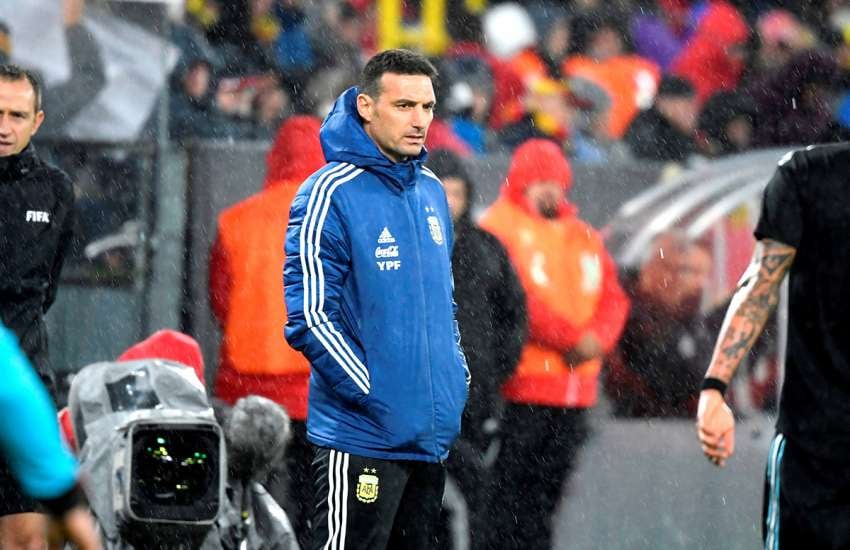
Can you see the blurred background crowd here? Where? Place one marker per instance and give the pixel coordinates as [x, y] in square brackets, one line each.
[661, 80]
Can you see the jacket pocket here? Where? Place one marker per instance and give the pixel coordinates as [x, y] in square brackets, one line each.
[402, 424]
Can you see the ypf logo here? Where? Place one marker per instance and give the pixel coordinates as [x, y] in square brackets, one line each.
[37, 216]
[387, 252]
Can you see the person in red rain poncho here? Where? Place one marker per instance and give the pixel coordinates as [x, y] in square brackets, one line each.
[576, 312]
[246, 293]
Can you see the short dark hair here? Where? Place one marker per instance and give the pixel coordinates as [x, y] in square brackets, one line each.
[393, 61]
[446, 164]
[676, 87]
[13, 73]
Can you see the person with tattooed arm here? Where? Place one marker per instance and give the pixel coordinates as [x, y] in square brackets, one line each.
[802, 231]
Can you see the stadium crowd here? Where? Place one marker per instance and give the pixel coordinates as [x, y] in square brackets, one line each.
[663, 80]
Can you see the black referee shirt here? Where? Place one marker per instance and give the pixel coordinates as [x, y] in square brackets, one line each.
[807, 205]
[36, 217]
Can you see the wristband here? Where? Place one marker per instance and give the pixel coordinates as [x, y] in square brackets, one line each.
[709, 383]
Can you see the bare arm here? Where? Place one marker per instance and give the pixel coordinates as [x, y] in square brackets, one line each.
[757, 295]
[752, 304]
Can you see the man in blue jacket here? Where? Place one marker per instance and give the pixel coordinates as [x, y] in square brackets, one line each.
[31, 445]
[368, 288]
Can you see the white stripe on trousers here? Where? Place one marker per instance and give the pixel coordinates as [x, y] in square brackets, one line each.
[313, 274]
[337, 500]
[774, 463]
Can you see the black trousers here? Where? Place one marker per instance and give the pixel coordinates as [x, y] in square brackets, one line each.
[371, 504]
[538, 454]
[466, 467]
[806, 499]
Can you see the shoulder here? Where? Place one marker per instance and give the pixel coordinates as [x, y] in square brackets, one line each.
[428, 173]
[430, 181]
[55, 178]
[489, 241]
[326, 180]
[815, 157]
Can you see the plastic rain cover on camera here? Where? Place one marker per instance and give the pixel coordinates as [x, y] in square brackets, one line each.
[106, 399]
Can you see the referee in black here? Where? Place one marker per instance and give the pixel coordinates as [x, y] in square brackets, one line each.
[36, 216]
[804, 229]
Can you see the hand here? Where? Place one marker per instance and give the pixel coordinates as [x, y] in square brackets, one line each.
[77, 527]
[587, 348]
[715, 427]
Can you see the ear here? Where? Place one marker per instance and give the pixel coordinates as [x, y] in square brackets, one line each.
[365, 103]
[39, 118]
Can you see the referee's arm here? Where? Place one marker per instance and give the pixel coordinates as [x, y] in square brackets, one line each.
[752, 303]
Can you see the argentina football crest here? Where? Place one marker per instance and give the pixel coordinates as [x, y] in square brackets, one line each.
[367, 486]
[435, 229]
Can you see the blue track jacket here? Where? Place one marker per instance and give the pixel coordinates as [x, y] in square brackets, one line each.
[368, 288]
[29, 431]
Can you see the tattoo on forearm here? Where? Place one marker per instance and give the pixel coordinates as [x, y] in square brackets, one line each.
[750, 309]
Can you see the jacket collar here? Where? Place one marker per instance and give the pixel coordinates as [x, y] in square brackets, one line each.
[15, 166]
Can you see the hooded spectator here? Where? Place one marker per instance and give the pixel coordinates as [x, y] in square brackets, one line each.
[665, 132]
[270, 107]
[246, 294]
[544, 424]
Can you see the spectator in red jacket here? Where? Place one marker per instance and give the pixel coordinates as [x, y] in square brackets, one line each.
[714, 57]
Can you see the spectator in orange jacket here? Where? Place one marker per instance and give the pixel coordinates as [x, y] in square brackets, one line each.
[576, 311]
[602, 57]
[246, 293]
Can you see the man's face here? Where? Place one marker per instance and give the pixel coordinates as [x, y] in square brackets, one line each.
[605, 44]
[456, 195]
[398, 119]
[677, 279]
[545, 198]
[197, 81]
[18, 118]
[681, 111]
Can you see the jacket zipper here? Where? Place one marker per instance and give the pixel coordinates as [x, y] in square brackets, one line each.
[411, 194]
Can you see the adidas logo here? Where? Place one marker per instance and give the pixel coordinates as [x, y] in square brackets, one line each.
[386, 237]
